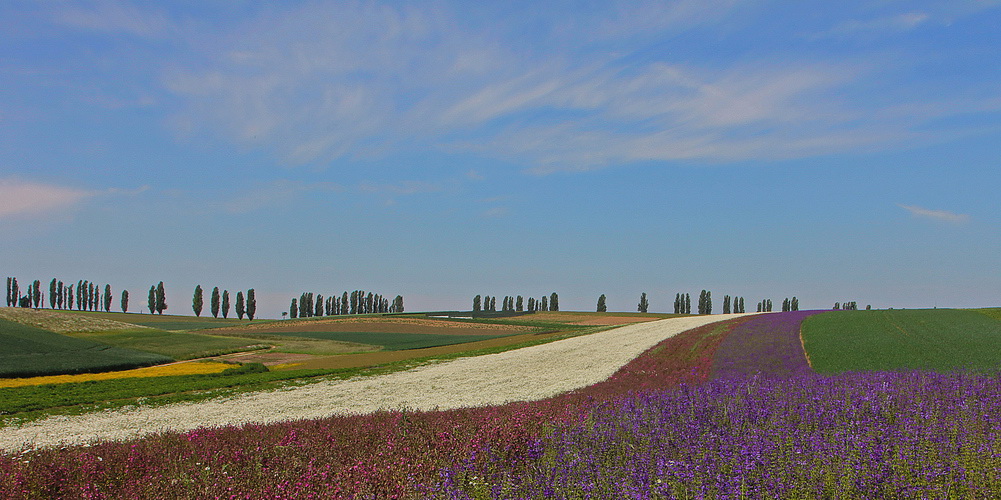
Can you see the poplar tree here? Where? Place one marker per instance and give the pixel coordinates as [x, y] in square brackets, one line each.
[61, 295]
[214, 302]
[794, 305]
[545, 304]
[36, 294]
[161, 299]
[107, 298]
[293, 310]
[398, 304]
[726, 304]
[318, 309]
[601, 304]
[69, 297]
[196, 301]
[52, 294]
[554, 302]
[688, 303]
[8, 290]
[240, 310]
[344, 303]
[125, 301]
[150, 300]
[251, 304]
[644, 303]
[225, 304]
[493, 303]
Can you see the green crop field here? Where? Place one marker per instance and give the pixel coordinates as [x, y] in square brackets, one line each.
[28, 351]
[990, 312]
[927, 339]
[166, 321]
[177, 345]
[389, 341]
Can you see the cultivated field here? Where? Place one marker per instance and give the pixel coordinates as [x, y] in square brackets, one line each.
[730, 409]
[523, 374]
[925, 339]
[30, 351]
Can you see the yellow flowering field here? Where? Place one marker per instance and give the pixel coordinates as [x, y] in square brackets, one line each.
[189, 368]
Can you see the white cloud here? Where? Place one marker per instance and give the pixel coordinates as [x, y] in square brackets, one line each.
[351, 80]
[30, 199]
[940, 215]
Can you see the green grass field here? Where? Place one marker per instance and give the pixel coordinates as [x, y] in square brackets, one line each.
[28, 351]
[388, 341]
[166, 321]
[177, 345]
[990, 312]
[927, 339]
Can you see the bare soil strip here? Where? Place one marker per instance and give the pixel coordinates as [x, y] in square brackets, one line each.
[520, 375]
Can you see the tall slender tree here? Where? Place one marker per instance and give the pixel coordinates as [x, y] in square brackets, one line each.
[214, 302]
[125, 301]
[197, 301]
[319, 305]
[69, 297]
[398, 304]
[52, 294]
[345, 303]
[794, 305]
[225, 304]
[36, 292]
[61, 295]
[151, 299]
[726, 304]
[601, 304]
[644, 303]
[688, 303]
[8, 290]
[240, 306]
[161, 299]
[107, 298]
[251, 304]
[293, 310]
[554, 302]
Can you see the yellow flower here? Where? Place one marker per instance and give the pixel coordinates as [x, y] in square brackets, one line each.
[184, 368]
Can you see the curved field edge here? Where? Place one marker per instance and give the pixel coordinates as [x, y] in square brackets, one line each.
[377, 455]
[903, 339]
[22, 405]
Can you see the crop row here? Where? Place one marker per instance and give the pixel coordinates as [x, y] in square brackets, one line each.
[200, 368]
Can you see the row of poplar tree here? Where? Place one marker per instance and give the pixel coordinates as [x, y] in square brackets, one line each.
[487, 303]
[84, 296]
[683, 304]
[357, 302]
[244, 306]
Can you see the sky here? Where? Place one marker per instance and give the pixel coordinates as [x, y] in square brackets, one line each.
[832, 151]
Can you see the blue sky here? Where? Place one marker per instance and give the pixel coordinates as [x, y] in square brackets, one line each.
[828, 150]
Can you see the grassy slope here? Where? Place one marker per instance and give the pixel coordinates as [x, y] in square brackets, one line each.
[166, 321]
[29, 351]
[31, 403]
[388, 341]
[177, 345]
[928, 339]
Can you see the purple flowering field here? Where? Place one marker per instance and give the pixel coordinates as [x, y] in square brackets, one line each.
[728, 410]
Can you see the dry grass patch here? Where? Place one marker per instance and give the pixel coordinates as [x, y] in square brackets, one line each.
[62, 322]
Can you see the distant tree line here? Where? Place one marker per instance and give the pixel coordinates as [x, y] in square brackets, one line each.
[790, 304]
[246, 306]
[733, 304]
[848, 306]
[308, 305]
[84, 296]
[487, 303]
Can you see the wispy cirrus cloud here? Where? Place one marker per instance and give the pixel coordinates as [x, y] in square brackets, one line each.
[939, 215]
[370, 79]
